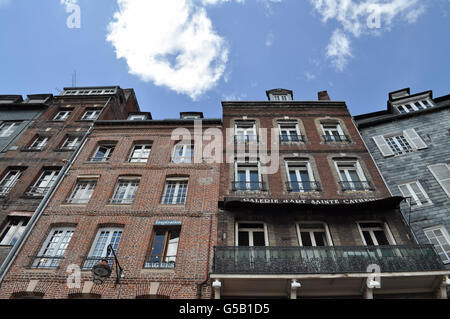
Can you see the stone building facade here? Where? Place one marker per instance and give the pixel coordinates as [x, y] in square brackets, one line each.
[137, 186]
[33, 163]
[410, 142]
[315, 225]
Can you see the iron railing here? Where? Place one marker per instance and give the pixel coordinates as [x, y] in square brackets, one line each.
[356, 186]
[324, 260]
[90, 262]
[173, 200]
[292, 138]
[4, 191]
[249, 138]
[46, 262]
[296, 187]
[244, 186]
[336, 138]
[38, 191]
[98, 159]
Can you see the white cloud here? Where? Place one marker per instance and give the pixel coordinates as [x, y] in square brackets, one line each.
[353, 17]
[270, 38]
[67, 2]
[310, 76]
[170, 43]
[339, 50]
[4, 3]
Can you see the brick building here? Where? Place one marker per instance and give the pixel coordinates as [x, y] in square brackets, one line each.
[313, 226]
[32, 163]
[410, 142]
[141, 190]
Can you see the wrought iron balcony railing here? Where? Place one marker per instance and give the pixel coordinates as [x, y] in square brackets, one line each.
[38, 191]
[249, 138]
[356, 186]
[4, 191]
[46, 262]
[91, 261]
[324, 260]
[98, 159]
[244, 186]
[291, 138]
[301, 187]
[335, 138]
[173, 200]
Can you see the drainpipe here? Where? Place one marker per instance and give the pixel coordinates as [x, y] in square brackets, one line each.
[37, 214]
[200, 285]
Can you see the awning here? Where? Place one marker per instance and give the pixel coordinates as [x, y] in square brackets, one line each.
[230, 203]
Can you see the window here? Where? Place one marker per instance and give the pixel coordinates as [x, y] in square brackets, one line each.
[375, 234]
[442, 174]
[414, 106]
[125, 191]
[99, 249]
[38, 143]
[415, 191]
[332, 132]
[83, 191]
[13, 230]
[8, 128]
[251, 234]
[280, 97]
[398, 144]
[44, 183]
[183, 153]
[54, 248]
[245, 132]
[140, 153]
[71, 143]
[91, 115]
[136, 118]
[439, 237]
[301, 177]
[103, 153]
[352, 176]
[247, 177]
[164, 248]
[175, 192]
[62, 116]
[8, 181]
[312, 234]
[289, 132]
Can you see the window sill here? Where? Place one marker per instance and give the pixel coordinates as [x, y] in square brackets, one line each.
[172, 205]
[74, 205]
[157, 270]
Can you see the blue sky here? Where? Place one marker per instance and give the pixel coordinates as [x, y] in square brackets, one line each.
[189, 55]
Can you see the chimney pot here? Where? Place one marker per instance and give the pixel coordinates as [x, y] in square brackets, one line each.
[323, 96]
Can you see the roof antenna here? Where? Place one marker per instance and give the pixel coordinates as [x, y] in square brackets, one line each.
[74, 79]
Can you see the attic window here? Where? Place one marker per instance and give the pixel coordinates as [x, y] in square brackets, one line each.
[137, 118]
[280, 97]
[414, 106]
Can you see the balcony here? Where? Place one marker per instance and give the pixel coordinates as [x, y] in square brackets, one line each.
[335, 138]
[38, 191]
[302, 187]
[324, 260]
[244, 186]
[357, 186]
[245, 139]
[291, 138]
[4, 191]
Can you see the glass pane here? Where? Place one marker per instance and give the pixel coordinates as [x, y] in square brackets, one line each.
[381, 237]
[243, 238]
[158, 246]
[258, 239]
[306, 239]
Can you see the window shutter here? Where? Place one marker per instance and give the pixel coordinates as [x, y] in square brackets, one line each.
[405, 191]
[419, 193]
[442, 174]
[414, 139]
[385, 149]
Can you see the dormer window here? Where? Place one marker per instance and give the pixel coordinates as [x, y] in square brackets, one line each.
[414, 106]
[191, 115]
[280, 95]
[136, 118]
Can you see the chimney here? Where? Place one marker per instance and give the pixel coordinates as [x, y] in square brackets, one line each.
[323, 96]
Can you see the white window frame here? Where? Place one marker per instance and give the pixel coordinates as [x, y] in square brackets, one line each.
[83, 196]
[10, 128]
[14, 231]
[39, 143]
[249, 167]
[176, 192]
[142, 150]
[130, 188]
[251, 231]
[136, 118]
[9, 181]
[245, 131]
[359, 171]
[336, 128]
[62, 116]
[446, 237]
[76, 141]
[385, 228]
[294, 165]
[182, 159]
[289, 130]
[45, 185]
[329, 240]
[94, 114]
[439, 179]
[110, 149]
[413, 106]
[414, 196]
[104, 252]
[56, 251]
[395, 144]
